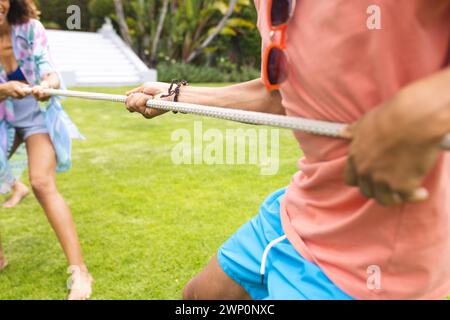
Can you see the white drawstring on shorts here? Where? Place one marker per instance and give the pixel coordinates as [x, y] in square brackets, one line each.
[262, 271]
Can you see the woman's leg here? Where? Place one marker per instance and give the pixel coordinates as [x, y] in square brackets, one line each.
[19, 189]
[42, 165]
[3, 261]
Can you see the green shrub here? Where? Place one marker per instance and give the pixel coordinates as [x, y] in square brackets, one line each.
[224, 72]
[51, 25]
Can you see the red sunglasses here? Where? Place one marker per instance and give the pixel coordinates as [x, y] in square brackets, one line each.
[279, 13]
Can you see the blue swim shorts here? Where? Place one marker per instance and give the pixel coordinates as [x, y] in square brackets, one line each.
[261, 259]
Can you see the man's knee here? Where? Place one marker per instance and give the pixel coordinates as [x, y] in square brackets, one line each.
[188, 291]
[213, 284]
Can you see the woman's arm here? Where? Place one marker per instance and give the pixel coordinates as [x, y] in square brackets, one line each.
[251, 96]
[50, 78]
[49, 81]
[12, 89]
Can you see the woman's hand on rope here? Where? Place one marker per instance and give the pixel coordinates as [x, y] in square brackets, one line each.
[392, 151]
[138, 97]
[13, 89]
[38, 92]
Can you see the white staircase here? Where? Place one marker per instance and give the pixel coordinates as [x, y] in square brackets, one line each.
[97, 59]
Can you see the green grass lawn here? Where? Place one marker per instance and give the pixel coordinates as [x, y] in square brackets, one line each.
[146, 225]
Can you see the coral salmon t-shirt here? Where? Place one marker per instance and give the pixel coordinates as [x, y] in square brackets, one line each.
[339, 69]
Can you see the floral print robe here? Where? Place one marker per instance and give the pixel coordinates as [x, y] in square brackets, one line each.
[31, 50]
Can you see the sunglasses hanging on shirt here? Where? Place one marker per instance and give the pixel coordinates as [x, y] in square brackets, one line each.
[279, 13]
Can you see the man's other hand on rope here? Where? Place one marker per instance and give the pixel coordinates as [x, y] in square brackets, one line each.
[396, 144]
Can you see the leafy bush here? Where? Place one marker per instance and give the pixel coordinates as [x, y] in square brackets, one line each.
[224, 72]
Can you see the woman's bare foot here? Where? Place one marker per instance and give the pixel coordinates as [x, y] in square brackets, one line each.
[80, 283]
[3, 262]
[20, 191]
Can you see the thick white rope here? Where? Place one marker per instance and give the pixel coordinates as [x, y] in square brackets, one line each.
[317, 127]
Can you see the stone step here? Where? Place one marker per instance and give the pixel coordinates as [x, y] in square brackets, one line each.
[96, 59]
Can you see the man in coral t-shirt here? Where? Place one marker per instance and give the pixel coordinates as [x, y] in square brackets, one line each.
[368, 219]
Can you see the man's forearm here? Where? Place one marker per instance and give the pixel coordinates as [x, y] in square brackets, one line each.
[251, 96]
[432, 95]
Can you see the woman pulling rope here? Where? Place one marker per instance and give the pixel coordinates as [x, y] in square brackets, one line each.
[25, 60]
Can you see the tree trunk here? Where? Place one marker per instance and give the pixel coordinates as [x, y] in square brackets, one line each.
[140, 45]
[216, 32]
[122, 22]
[162, 18]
